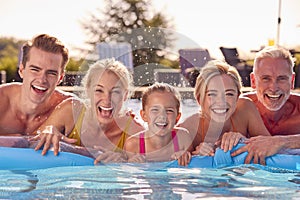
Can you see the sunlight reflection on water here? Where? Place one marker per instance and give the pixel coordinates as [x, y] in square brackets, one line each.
[138, 181]
[150, 180]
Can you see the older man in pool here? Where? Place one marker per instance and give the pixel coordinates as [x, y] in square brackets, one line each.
[25, 106]
[273, 79]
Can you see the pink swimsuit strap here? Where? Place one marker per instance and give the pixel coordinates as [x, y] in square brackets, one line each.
[175, 141]
[143, 145]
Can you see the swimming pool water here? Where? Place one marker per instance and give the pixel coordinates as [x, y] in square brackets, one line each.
[151, 181]
[146, 181]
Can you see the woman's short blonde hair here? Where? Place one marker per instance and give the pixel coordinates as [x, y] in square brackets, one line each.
[211, 69]
[111, 65]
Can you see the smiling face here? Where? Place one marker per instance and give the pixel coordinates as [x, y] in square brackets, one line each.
[273, 81]
[220, 98]
[161, 112]
[109, 95]
[41, 75]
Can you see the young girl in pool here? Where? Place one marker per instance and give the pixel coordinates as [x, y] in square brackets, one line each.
[224, 117]
[162, 141]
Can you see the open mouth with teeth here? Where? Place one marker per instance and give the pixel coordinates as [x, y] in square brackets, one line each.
[39, 89]
[220, 110]
[105, 111]
[273, 96]
[161, 125]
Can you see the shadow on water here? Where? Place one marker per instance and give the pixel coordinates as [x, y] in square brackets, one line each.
[16, 183]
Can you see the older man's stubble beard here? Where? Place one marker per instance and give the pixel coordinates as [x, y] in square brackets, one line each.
[275, 106]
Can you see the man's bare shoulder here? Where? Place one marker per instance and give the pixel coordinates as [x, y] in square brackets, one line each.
[8, 89]
[8, 93]
[294, 99]
[295, 96]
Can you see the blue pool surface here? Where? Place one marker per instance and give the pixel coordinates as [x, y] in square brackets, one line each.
[151, 180]
[147, 181]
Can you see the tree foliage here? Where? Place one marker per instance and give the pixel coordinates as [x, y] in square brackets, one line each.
[9, 56]
[134, 22]
[77, 65]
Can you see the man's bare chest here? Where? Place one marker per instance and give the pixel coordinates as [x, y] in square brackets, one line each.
[285, 126]
[13, 124]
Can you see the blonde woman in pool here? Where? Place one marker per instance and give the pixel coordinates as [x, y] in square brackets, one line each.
[101, 122]
[225, 117]
[162, 141]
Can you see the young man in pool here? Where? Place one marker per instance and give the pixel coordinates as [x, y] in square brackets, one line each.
[25, 106]
[273, 79]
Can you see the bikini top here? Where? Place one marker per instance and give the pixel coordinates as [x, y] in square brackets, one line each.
[143, 145]
[75, 133]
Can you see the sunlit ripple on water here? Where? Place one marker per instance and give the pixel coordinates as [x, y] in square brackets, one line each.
[151, 180]
[130, 181]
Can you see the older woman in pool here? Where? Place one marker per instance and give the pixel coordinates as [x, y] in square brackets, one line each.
[100, 122]
[225, 117]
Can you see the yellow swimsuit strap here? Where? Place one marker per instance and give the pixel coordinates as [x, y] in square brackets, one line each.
[75, 133]
[121, 142]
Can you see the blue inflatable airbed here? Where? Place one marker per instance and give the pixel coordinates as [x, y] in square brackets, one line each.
[28, 159]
